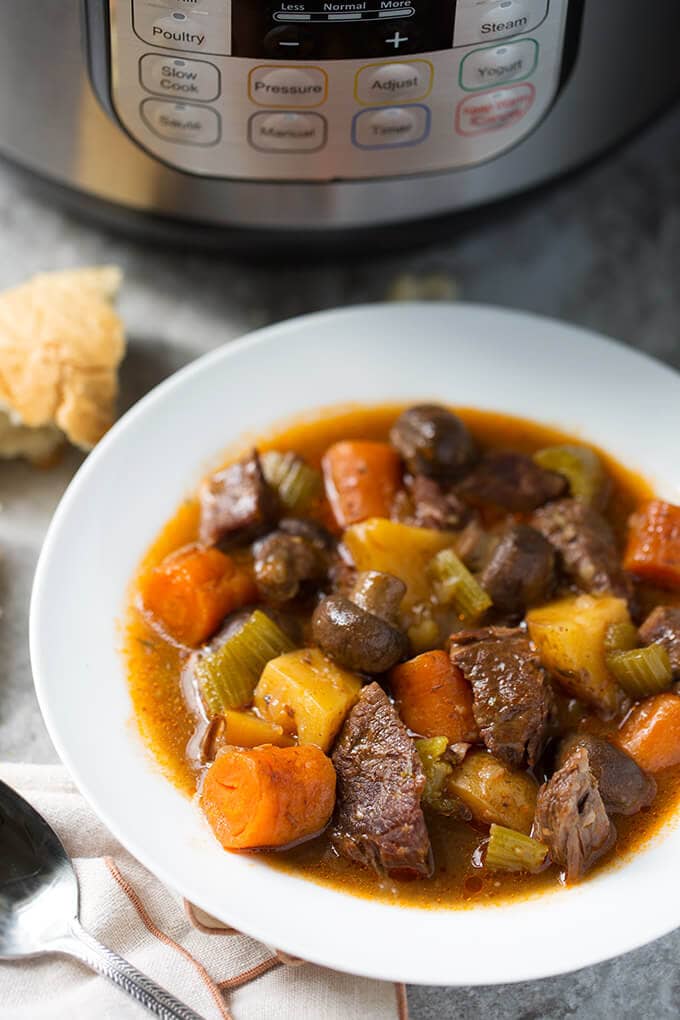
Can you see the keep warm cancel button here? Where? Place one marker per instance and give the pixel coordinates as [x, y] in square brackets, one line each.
[493, 111]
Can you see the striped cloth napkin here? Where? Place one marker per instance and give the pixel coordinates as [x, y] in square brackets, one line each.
[220, 973]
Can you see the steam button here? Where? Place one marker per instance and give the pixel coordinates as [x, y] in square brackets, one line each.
[182, 122]
[498, 21]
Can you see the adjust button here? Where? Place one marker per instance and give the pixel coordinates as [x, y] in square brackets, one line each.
[174, 76]
[385, 83]
[498, 20]
[277, 85]
[287, 132]
[391, 127]
[182, 122]
[495, 65]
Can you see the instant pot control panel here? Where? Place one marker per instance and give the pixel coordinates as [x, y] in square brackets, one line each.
[309, 90]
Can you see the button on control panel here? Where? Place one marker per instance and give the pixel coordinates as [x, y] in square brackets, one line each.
[182, 122]
[391, 127]
[385, 83]
[275, 85]
[495, 65]
[287, 132]
[290, 90]
[179, 77]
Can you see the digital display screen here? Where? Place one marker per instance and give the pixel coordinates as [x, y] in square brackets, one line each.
[337, 30]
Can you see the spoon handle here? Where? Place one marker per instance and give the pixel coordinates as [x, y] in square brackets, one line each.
[88, 950]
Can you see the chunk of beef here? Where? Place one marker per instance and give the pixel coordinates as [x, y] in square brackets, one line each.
[511, 481]
[520, 571]
[237, 504]
[434, 442]
[625, 789]
[586, 546]
[378, 820]
[298, 553]
[427, 504]
[571, 817]
[662, 626]
[512, 697]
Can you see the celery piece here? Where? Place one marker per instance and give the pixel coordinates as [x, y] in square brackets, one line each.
[228, 676]
[580, 465]
[642, 671]
[297, 483]
[437, 773]
[424, 635]
[455, 585]
[620, 637]
[508, 850]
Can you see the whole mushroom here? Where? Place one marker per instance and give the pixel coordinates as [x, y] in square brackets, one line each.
[434, 442]
[360, 630]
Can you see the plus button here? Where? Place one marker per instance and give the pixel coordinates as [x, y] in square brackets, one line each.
[397, 39]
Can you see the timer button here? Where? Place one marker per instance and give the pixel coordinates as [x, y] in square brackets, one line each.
[385, 83]
[287, 132]
[276, 85]
[181, 122]
[391, 127]
[498, 20]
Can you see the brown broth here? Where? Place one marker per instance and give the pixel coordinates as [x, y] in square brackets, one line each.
[167, 724]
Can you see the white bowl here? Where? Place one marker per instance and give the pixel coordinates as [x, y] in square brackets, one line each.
[132, 483]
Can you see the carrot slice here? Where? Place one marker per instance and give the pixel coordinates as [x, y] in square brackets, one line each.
[433, 698]
[267, 796]
[651, 734]
[192, 591]
[653, 551]
[361, 479]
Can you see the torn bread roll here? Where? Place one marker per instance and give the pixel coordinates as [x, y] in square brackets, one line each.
[60, 346]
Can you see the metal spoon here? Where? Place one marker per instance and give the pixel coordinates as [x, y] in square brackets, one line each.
[39, 907]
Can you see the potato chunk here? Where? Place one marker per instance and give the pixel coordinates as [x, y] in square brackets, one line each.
[570, 638]
[398, 549]
[493, 792]
[306, 693]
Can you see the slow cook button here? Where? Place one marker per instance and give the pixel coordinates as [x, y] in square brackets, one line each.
[385, 83]
[391, 127]
[174, 76]
[182, 122]
[492, 111]
[495, 65]
[287, 132]
[276, 85]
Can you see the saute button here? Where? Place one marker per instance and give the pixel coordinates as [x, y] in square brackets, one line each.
[498, 21]
[182, 122]
[492, 111]
[277, 85]
[174, 76]
[383, 83]
[495, 65]
[391, 126]
[287, 132]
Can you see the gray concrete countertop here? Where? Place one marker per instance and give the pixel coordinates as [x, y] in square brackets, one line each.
[600, 249]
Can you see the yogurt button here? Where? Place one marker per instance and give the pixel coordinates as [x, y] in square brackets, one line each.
[495, 65]
[387, 83]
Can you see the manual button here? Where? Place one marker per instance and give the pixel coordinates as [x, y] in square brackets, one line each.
[174, 76]
[182, 122]
[387, 83]
[287, 132]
